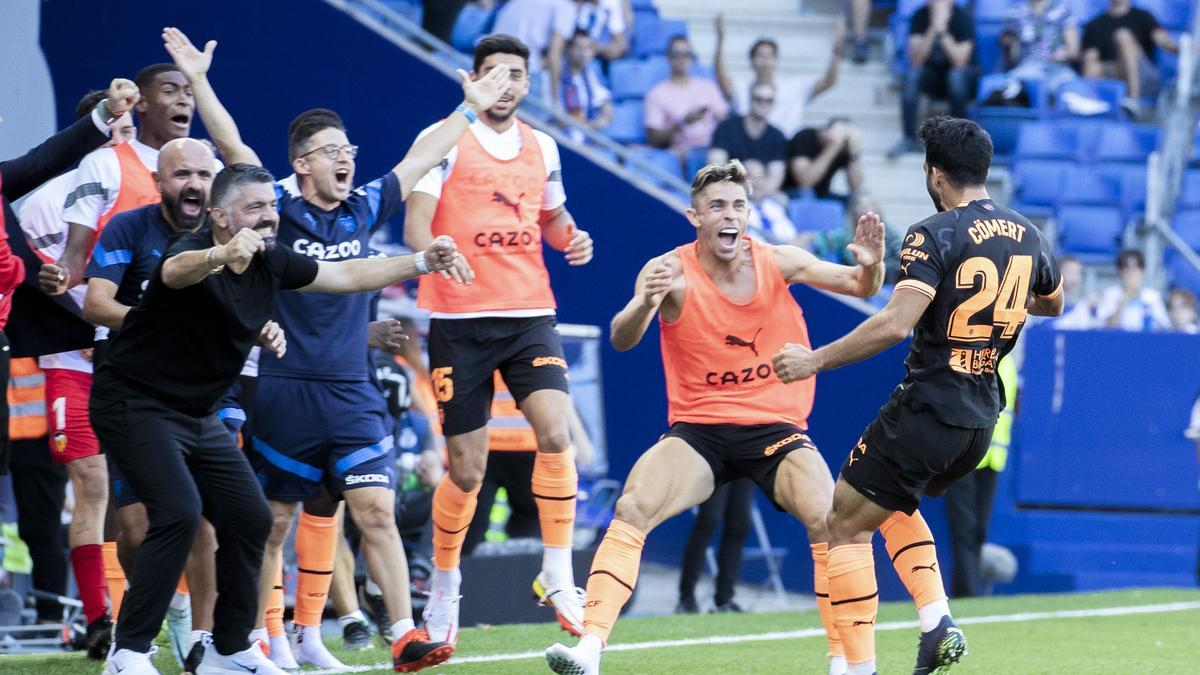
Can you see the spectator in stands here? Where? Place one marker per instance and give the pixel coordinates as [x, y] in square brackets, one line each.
[792, 93]
[583, 95]
[750, 137]
[1181, 308]
[438, 16]
[1079, 310]
[769, 220]
[816, 155]
[533, 22]
[1041, 42]
[1131, 305]
[941, 48]
[860, 16]
[829, 242]
[683, 111]
[605, 20]
[1121, 44]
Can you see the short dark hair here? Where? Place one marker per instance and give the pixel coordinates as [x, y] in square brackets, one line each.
[306, 125]
[1131, 255]
[232, 178]
[1181, 292]
[500, 43]
[678, 37]
[145, 76]
[761, 42]
[960, 148]
[579, 33]
[89, 102]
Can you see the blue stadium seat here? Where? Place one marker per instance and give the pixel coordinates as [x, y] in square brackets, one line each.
[1133, 188]
[1039, 98]
[992, 10]
[809, 214]
[1187, 226]
[1126, 143]
[1189, 194]
[628, 123]
[633, 78]
[987, 46]
[1086, 10]
[1181, 272]
[1084, 185]
[1110, 92]
[1037, 185]
[1046, 140]
[663, 159]
[1091, 233]
[409, 9]
[696, 159]
[472, 22]
[1173, 15]
[1003, 124]
[643, 5]
[651, 38]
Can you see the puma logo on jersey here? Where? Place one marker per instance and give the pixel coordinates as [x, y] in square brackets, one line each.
[499, 198]
[735, 341]
[931, 568]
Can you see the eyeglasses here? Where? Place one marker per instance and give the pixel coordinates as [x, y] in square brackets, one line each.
[331, 151]
[680, 55]
[762, 99]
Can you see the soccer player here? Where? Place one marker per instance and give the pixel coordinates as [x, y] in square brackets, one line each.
[320, 421]
[499, 192]
[724, 307]
[969, 275]
[155, 399]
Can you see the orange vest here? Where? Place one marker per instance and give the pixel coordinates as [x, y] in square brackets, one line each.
[491, 209]
[137, 186]
[26, 400]
[717, 354]
[508, 429]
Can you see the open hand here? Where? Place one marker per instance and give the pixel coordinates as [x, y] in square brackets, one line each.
[193, 62]
[483, 93]
[794, 363]
[867, 247]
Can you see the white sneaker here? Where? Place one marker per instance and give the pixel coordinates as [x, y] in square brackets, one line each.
[310, 649]
[246, 661]
[566, 601]
[279, 649]
[179, 630]
[129, 662]
[582, 659]
[838, 665]
[441, 617]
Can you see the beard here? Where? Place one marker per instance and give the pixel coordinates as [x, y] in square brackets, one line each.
[267, 229]
[498, 117]
[182, 221]
[937, 202]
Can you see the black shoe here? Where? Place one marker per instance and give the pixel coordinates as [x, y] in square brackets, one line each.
[98, 638]
[194, 657]
[356, 635]
[376, 611]
[940, 648]
[415, 651]
[730, 607]
[687, 606]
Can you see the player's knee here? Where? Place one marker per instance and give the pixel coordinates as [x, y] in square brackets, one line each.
[280, 523]
[256, 522]
[182, 516]
[375, 517]
[467, 476]
[631, 510]
[553, 440]
[205, 543]
[91, 488]
[818, 528]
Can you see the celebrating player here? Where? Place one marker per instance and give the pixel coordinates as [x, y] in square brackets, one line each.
[969, 276]
[499, 192]
[724, 306]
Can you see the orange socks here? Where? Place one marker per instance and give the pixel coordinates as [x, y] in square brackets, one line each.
[114, 576]
[452, 513]
[820, 554]
[182, 587]
[910, 544]
[316, 547]
[854, 598]
[555, 483]
[613, 576]
[274, 611]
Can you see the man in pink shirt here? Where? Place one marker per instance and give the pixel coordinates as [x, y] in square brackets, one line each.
[683, 111]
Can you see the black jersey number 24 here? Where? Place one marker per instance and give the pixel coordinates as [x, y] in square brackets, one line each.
[1007, 296]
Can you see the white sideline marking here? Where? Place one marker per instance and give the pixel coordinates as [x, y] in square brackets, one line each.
[806, 633]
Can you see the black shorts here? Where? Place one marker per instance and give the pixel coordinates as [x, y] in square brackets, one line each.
[906, 453]
[735, 451]
[463, 354]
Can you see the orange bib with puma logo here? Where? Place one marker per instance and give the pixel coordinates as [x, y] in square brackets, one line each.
[491, 209]
[717, 354]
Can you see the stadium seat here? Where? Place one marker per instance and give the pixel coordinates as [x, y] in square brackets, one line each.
[1085, 185]
[808, 213]
[1003, 125]
[651, 38]
[663, 159]
[1126, 143]
[1110, 92]
[1037, 184]
[1181, 272]
[1173, 15]
[696, 160]
[1086, 10]
[1187, 226]
[987, 46]
[992, 10]
[1046, 140]
[472, 22]
[633, 78]
[1189, 193]
[1036, 89]
[628, 123]
[1133, 188]
[1091, 233]
[643, 6]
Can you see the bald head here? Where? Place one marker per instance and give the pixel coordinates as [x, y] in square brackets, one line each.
[184, 177]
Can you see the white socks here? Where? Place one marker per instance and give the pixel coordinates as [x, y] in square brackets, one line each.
[259, 634]
[838, 665]
[401, 627]
[864, 668]
[180, 600]
[445, 582]
[556, 565]
[931, 614]
[353, 617]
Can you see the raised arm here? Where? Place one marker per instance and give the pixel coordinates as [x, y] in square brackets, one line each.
[478, 96]
[799, 266]
[656, 280]
[724, 81]
[830, 77]
[195, 64]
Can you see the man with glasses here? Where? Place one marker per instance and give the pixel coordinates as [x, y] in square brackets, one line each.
[751, 137]
[683, 111]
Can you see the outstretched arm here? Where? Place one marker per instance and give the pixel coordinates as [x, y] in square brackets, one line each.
[372, 274]
[799, 266]
[654, 282]
[796, 362]
[478, 96]
[195, 64]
